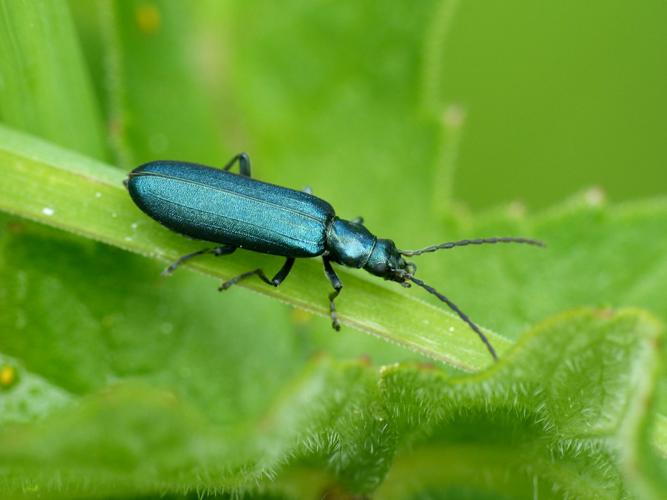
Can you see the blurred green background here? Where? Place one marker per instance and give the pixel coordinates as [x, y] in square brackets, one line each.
[559, 96]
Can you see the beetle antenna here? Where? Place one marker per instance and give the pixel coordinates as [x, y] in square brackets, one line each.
[477, 241]
[458, 311]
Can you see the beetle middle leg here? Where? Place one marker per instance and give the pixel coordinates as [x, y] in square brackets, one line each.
[217, 251]
[275, 281]
[244, 164]
[338, 286]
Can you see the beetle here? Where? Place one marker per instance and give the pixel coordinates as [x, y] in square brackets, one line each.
[237, 211]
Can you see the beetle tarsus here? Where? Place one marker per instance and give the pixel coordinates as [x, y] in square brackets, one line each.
[217, 251]
[275, 281]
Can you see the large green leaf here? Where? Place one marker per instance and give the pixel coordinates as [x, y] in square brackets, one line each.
[564, 414]
[598, 254]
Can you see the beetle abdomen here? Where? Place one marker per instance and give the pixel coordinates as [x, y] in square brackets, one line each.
[219, 206]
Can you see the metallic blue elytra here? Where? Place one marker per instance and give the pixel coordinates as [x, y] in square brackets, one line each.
[237, 211]
[216, 205]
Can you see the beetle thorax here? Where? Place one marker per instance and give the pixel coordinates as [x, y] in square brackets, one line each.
[349, 243]
[353, 245]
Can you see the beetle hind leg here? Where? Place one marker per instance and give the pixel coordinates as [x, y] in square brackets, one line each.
[275, 281]
[217, 251]
[337, 284]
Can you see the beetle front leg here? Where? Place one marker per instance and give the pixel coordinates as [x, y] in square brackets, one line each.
[338, 286]
[244, 164]
[217, 251]
[275, 281]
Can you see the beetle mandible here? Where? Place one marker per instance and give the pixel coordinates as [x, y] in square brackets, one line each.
[237, 211]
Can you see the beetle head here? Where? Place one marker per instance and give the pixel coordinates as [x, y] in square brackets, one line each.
[387, 262]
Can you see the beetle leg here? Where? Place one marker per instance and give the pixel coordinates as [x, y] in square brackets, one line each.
[283, 272]
[244, 164]
[338, 286]
[217, 251]
[276, 281]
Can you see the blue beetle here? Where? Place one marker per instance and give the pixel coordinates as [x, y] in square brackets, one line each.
[237, 211]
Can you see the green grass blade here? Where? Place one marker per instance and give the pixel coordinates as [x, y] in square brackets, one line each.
[62, 189]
